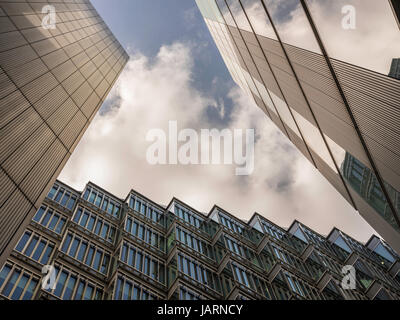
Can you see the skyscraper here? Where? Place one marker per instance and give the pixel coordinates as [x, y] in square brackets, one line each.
[106, 248]
[58, 61]
[319, 70]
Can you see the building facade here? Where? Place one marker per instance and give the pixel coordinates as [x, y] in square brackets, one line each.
[106, 248]
[319, 70]
[53, 80]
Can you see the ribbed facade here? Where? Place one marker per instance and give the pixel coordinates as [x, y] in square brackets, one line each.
[319, 70]
[107, 248]
[52, 83]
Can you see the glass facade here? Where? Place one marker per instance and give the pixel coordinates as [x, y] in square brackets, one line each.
[178, 253]
[326, 74]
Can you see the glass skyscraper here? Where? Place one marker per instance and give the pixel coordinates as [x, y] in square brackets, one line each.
[106, 248]
[53, 80]
[320, 71]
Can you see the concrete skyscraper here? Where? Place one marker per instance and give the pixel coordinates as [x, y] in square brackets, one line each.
[319, 70]
[58, 62]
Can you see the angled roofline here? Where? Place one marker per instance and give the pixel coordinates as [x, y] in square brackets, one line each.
[103, 190]
[66, 185]
[132, 191]
[206, 216]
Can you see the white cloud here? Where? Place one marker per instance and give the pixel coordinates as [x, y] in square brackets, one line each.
[150, 92]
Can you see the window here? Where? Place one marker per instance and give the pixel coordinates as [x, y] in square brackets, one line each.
[65, 198]
[95, 224]
[382, 251]
[17, 283]
[342, 244]
[52, 192]
[127, 289]
[35, 247]
[300, 235]
[198, 272]
[188, 216]
[382, 295]
[103, 202]
[187, 294]
[196, 243]
[145, 233]
[50, 219]
[146, 209]
[79, 248]
[301, 288]
[143, 262]
[71, 286]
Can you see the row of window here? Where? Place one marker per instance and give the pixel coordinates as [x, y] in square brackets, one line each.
[86, 252]
[126, 289]
[243, 251]
[367, 272]
[63, 196]
[383, 256]
[102, 201]
[268, 258]
[357, 171]
[146, 209]
[189, 295]
[188, 216]
[231, 224]
[145, 233]
[332, 292]
[195, 243]
[281, 292]
[143, 262]
[198, 272]
[50, 219]
[95, 224]
[301, 288]
[340, 250]
[325, 261]
[315, 269]
[282, 236]
[35, 247]
[378, 272]
[17, 283]
[72, 286]
[289, 259]
[355, 245]
[251, 280]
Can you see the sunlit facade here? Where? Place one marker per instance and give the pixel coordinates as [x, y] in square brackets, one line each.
[320, 71]
[106, 248]
[52, 83]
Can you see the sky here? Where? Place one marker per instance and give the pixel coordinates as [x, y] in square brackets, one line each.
[176, 73]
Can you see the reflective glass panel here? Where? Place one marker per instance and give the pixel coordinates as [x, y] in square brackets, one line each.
[360, 32]
[292, 24]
